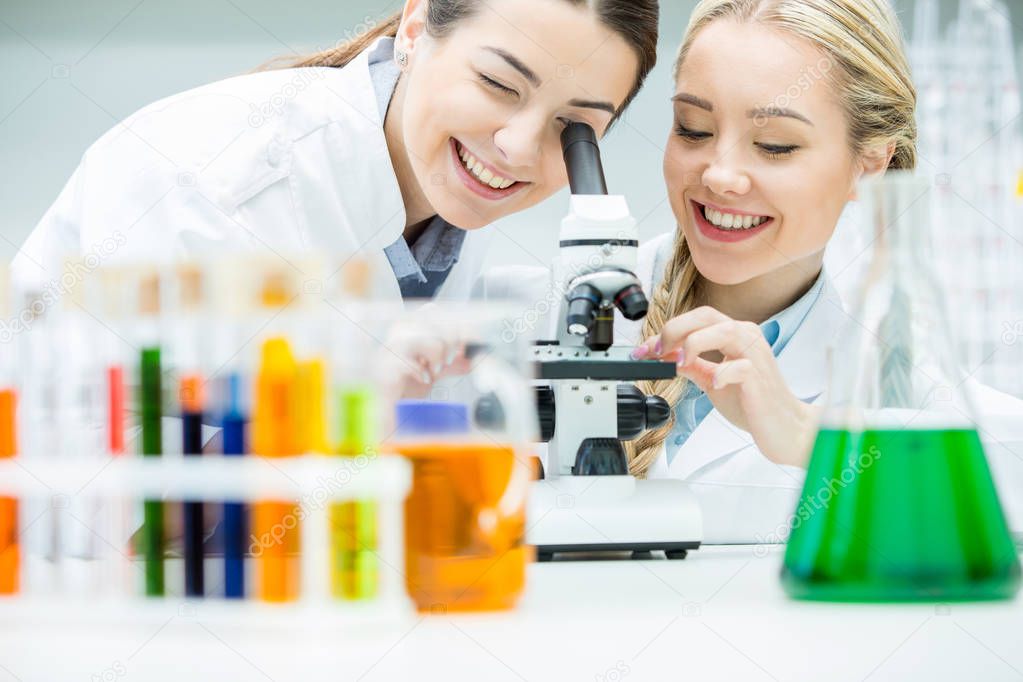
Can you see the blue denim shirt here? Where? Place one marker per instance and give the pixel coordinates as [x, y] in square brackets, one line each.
[694, 405]
[423, 267]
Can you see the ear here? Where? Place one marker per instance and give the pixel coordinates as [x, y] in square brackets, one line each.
[873, 161]
[412, 27]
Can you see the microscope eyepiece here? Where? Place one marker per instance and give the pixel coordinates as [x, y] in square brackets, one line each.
[632, 302]
[582, 159]
[583, 301]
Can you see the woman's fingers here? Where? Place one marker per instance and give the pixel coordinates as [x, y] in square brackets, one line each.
[733, 339]
[701, 372]
[664, 346]
[732, 372]
[678, 329]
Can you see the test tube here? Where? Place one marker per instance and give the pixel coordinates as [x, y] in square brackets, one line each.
[235, 521]
[108, 295]
[151, 410]
[10, 549]
[38, 439]
[80, 417]
[275, 425]
[191, 397]
[353, 525]
[311, 410]
[189, 327]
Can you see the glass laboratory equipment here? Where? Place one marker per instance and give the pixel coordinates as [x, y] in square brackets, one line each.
[468, 435]
[898, 502]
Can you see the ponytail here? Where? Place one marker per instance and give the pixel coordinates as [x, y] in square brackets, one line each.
[343, 52]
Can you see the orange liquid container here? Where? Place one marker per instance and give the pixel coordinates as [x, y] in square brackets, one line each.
[10, 551]
[275, 428]
[465, 522]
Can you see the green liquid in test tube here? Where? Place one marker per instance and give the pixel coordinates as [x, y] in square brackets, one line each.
[353, 525]
[152, 446]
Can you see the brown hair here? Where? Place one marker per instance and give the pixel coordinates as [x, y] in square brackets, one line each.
[862, 43]
[634, 20]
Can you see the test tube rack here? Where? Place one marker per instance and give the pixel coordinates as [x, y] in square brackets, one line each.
[105, 587]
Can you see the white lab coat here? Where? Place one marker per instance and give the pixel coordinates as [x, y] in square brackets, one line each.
[280, 162]
[744, 496]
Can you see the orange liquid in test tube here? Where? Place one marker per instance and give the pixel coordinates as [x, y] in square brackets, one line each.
[275, 433]
[10, 551]
[464, 544]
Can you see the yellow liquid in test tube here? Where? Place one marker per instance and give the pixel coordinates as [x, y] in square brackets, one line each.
[353, 525]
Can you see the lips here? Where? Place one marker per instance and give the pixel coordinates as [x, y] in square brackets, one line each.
[724, 234]
[473, 183]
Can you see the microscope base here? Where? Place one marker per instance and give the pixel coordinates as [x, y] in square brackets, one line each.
[583, 514]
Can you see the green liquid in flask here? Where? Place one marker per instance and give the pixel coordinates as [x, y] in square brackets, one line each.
[899, 515]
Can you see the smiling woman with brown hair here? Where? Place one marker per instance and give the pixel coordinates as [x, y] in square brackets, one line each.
[441, 120]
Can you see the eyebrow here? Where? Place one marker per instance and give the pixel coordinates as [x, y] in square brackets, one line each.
[777, 112]
[516, 64]
[694, 100]
[759, 112]
[587, 104]
[531, 76]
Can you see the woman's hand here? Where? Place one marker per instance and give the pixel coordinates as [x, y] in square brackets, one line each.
[733, 364]
[414, 356]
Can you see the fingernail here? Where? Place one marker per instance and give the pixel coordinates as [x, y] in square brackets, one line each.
[425, 377]
[437, 369]
[639, 352]
[451, 356]
[680, 357]
[657, 347]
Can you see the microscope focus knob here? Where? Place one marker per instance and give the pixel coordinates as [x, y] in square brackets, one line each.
[658, 411]
[638, 412]
[631, 412]
[545, 410]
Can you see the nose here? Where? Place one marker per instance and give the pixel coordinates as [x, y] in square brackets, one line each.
[520, 140]
[724, 175]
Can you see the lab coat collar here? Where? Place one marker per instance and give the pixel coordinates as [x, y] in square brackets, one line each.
[363, 156]
[342, 145]
[803, 364]
[364, 163]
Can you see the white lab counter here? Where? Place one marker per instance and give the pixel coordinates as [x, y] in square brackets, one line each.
[720, 614]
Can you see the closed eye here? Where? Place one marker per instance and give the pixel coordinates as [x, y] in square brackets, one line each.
[776, 151]
[686, 133]
[490, 82]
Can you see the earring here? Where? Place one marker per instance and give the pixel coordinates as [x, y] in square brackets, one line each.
[402, 58]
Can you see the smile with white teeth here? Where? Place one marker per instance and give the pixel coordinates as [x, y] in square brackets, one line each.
[474, 166]
[731, 221]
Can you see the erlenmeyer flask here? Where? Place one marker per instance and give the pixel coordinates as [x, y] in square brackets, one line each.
[898, 502]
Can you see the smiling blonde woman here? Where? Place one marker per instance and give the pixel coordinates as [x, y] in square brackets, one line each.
[767, 147]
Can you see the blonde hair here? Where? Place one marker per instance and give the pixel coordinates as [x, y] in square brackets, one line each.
[861, 42]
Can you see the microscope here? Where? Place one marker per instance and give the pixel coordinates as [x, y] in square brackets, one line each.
[587, 501]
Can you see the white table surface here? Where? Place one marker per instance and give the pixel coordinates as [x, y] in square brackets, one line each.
[720, 614]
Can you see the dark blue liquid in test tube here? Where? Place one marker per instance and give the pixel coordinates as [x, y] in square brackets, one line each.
[193, 516]
[235, 526]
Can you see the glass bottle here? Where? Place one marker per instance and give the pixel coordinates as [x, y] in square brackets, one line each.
[898, 502]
